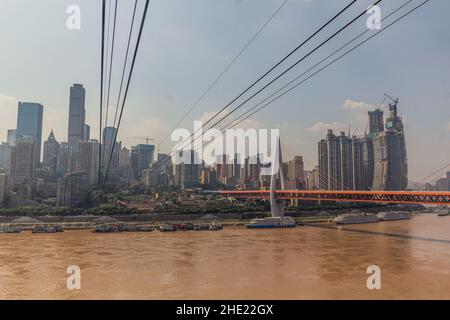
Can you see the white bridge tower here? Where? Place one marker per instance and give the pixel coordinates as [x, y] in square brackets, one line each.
[277, 207]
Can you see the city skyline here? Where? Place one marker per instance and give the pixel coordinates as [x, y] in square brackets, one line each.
[375, 124]
[311, 113]
[226, 150]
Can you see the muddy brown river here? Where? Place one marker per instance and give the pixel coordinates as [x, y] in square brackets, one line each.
[309, 262]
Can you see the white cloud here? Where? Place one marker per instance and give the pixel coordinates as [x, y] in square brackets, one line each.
[356, 116]
[357, 105]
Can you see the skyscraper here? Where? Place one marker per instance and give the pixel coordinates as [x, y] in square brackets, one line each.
[390, 159]
[145, 156]
[86, 133]
[323, 164]
[51, 153]
[376, 161]
[66, 159]
[187, 174]
[367, 162]
[334, 161]
[134, 163]
[12, 137]
[124, 162]
[77, 114]
[72, 190]
[357, 163]
[376, 121]
[4, 187]
[5, 155]
[295, 172]
[87, 160]
[443, 184]
[109, 134]
[339, 156]
[29, 124]
[23, 166]
[346, 162]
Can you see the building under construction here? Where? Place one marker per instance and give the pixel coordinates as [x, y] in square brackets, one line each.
[376, 161]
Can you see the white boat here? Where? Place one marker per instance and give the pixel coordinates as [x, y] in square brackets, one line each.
[272, 222]
[443, 212]
[394, 215]
[355, 218]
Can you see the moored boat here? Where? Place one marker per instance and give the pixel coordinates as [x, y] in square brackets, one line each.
[272, 222]
[356, 218]
[45, 228]
[394, 215]
[136, 228]
[167, 227]
[213, 226]
[145, 229]
[183, 226]
[9, 228]
[107, 228]
[443, 213]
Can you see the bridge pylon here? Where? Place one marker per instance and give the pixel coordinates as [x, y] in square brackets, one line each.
[277, 206]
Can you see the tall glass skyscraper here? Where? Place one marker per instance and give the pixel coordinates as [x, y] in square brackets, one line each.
[77, 114]
[29, 124]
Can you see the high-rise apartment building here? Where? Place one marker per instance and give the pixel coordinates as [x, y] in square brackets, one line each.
[51, 153]
[66, 160]
[367, 161]
[390, 158]
[109, 134]
[86, 133]
[357, 163]
[295, 170]
[124, 162]
[5, 155]
[186, 175]
[72, 190]
[376, 161]
[376, 123]
[87, 160]
[23, 165]
[323, 164]
[346, 162]
[11, 137]
[4, 187]
[334, 161]
[77, 114]
[443, 184]
[29, 124]
[145, 153]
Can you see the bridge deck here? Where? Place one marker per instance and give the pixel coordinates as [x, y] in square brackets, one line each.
[419, 197]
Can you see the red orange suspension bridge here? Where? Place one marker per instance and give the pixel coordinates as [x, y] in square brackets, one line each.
[405, 197]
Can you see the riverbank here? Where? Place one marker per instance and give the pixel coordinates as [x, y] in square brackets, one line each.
[153, 220]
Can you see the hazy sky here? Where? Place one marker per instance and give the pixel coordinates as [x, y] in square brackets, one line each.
[187, 43]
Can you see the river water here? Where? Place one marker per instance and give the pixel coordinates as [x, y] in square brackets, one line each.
[307, 262]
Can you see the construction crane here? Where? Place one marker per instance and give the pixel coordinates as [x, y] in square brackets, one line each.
[147, 139]
[394, 100]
